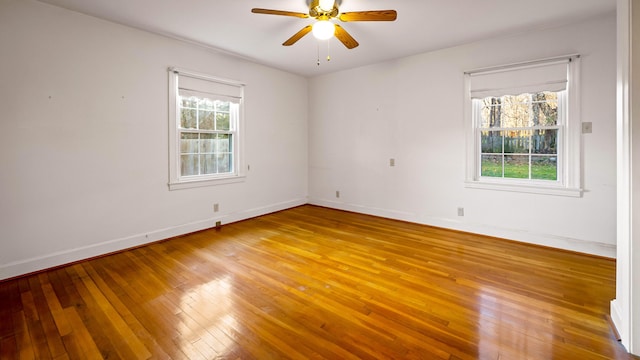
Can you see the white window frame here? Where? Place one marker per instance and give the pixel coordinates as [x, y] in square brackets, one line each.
[569, 137]
[176, 180]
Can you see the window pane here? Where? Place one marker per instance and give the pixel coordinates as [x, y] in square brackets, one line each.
[222, 105]
[223, 143]
[188, 143]
[205, 119]
[205, 104]
[517, 141]
[544, 109]
[516, 166]
[544, 141]
[208, 164]
[207, 143]
[188, 118]
[189, 165]
[224, 163]
[491, 112]
[491, 165]
[188, 102]
[544, 167]
[491, 141]
[222, 121]
[515, 111]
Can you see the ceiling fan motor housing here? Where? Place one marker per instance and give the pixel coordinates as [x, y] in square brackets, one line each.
[318, 12]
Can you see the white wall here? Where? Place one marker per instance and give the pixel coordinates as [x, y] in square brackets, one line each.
[411, 109]
[84, 138]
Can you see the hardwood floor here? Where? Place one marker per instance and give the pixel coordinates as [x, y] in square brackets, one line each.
[311, 282]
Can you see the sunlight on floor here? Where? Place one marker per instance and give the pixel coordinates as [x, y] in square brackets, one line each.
[505, 321]
[208, 319]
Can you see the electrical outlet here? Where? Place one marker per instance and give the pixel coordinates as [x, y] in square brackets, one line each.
[218, 224]
[216, 207]
[460, 211]
[337, 193]
[392, 162]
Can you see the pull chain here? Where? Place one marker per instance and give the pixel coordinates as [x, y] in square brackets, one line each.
[328, 52]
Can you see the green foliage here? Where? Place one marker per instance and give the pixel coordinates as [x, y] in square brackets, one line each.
[544, 172]
[539, 171]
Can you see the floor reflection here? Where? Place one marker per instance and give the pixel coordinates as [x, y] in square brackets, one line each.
[207, 318]
[506, 327]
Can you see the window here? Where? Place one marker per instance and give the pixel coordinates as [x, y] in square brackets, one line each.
[204, 124]
[524, 132]
[519, 135]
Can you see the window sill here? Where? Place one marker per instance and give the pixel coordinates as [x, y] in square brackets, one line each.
[193, 183]
[525, 188]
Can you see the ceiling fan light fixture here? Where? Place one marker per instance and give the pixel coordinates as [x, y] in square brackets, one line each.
[323, 29]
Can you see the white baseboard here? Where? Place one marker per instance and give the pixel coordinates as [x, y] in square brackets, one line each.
[618, 322]
[554, 241]
[59, 258]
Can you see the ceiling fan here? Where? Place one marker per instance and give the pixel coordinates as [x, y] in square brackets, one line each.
[325, 10]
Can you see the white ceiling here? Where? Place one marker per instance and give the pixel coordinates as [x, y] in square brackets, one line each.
[422, 25]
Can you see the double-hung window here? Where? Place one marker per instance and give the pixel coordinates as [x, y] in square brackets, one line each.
[523, 127]
[204, 126]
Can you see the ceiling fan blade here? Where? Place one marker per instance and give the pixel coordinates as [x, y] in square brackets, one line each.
[372, 15]
[297, 36]
[345, 37]
[279, 12]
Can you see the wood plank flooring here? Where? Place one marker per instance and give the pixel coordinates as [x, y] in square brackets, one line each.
[315, 283]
